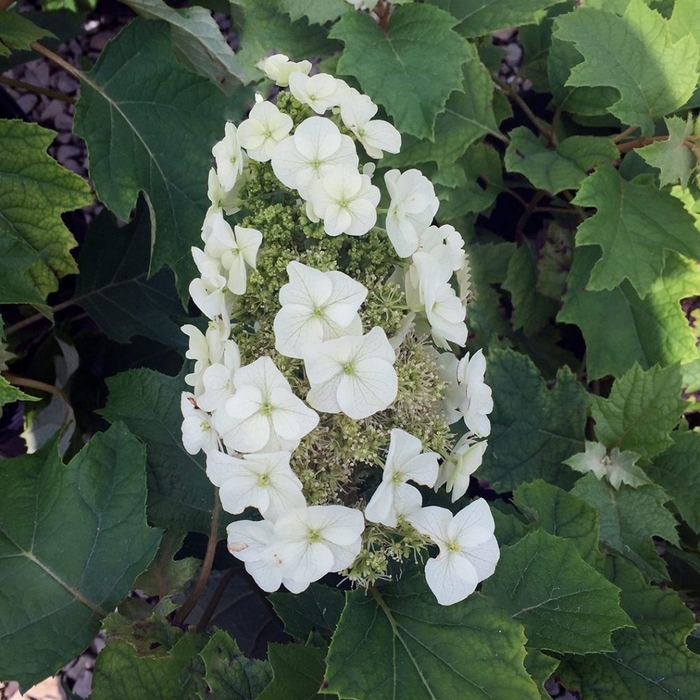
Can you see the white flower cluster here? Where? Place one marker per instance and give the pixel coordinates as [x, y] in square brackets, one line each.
[247, 417]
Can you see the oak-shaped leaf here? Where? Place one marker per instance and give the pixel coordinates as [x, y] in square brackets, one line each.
[636, 55]
[634, 226]
[180, 496]
[73, 537]
[629, 518]
[651, 660]
[533, 428]
[564, 604]
[411, 68]
[620, 328]
[35, 191]
[398, 642]
[166, 119]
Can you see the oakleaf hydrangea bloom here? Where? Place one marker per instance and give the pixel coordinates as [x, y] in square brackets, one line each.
[331, 389]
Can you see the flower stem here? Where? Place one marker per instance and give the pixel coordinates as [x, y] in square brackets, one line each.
[198, 589]
[215, 599]
[509, 91]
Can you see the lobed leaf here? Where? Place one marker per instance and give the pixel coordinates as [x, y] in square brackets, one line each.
[672, 157]
[641, 411]
[635, 54]
[629, 518]
[315, 11]
[35, 192]
[634, 227]
[533, 429]
[297, 673]
[73, 537]
[620, 328]
[9, 393]
[399, 642]
[480, 17]
[565, 605]
[411, 68]
[180, 496]
[650, 661]
[17, 32]
[318, 609]
[166, 120]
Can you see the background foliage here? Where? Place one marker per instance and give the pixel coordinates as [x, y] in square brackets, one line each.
[575, 185]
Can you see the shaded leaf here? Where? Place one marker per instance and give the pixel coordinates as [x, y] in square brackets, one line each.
[562, 514]
[672, 157]
[197, 42]
[411, 68]
[621, 329]
[651, 661]
[677, 470]
[179, 674]
[533, 428]
[317, 609]
[531, 310]
[562, 168]
[113, 286]
[634, 226]
[316, 11]
[467, 117]
[480, 17]
[642, 409]
[35, 191]
[166, 120]
[636, 55]
[629, 517]
[399, 642]
[564, 603]
[17, 32]
[540, 667]
[266, 29]
[297, 673]
[228, 674]
[180, 496]
[72, 540]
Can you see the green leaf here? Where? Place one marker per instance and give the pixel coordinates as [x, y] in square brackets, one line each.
[531, 310]
[629, 517]
[317, 608]
[468, 116]
[9, 393]
[267, 28]
[672, 157]
[685, 20]
[554, 260]
[540, 667]
[316, 11]
[562, 514]
[166, 120]
[621, 329]
[35, 192]
[165, 575]
[634, 226]
[72, 540]
[119, 297]
[636, 55]
[533, 428]
[118, 671]
[471, 185]
[400, 643]
[480, 17]
[678, 471]
[651, 661]
[489, 265]
[557, 169]
[180, 496]
[641, 411]
[617, 467]
[229, 674]
[17, 32]
[151, 635]
[563, 602]
[297, 673]
[197, 42]
[410, 68]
